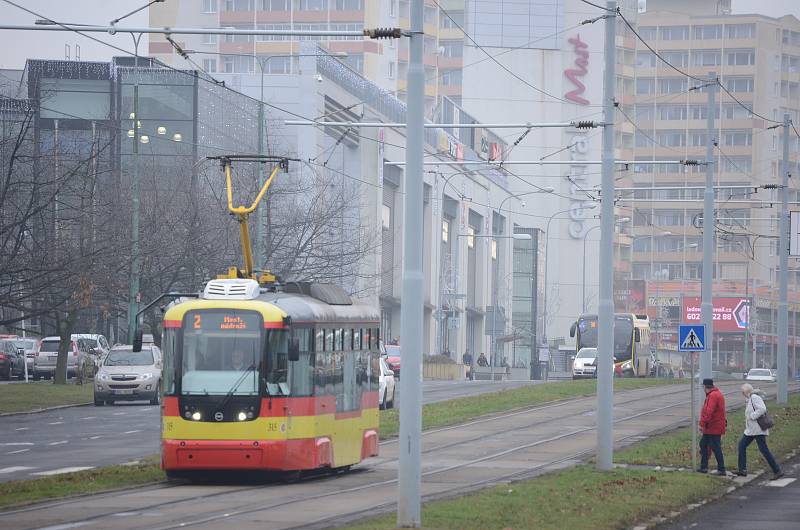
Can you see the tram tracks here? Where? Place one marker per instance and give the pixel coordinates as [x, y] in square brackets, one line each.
[246, 508]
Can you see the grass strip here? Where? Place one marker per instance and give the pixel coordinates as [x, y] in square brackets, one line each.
[464, 409]
[30, 397]
[675, 449]
[434, 415]
[577, 498]
[18, 492]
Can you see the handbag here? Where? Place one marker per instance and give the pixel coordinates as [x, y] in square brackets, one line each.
[765, 421]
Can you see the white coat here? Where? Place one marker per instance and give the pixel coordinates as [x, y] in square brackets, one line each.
[754, 409]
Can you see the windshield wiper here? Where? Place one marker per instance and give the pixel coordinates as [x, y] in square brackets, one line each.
[235, 386]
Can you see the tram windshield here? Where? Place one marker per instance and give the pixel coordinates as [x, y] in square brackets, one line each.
[222, 353]
[623, 335]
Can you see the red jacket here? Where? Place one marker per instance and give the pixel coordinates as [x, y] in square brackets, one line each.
[712, 418]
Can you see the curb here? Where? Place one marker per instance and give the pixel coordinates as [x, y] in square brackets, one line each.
[673, 516]
[47, 409]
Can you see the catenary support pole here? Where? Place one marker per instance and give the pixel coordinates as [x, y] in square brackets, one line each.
[706, 303]
[133, 295]
[783, 304]
[259, 228]
[605, 307]
[409, 473]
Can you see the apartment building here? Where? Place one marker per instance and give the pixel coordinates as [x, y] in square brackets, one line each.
[757, 60]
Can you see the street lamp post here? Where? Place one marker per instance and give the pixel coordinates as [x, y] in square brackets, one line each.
[590, 206]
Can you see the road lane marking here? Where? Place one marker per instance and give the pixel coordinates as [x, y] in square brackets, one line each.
[14, 469]
[22, 429]
[119, 413]
[89, 418]
[65, 526]
[94, 437]
[18, 452]
[61, 470]
[131, 432]
[16, 443]
[58, 442]
[56, 423]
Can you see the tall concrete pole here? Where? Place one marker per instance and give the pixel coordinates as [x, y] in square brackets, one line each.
[706, 303]
[411, 322]
[605, 307]
[133, 295]
[259, 228]
[783, 304]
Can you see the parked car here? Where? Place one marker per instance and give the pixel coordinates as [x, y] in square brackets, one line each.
[760, 374]
[96, 345]
[386, 386]
[392, 357]
[79, 360]
[11, 360]
[585, 364]
[126, 375]
[29, 345]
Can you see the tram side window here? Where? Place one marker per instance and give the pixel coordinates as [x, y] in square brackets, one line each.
[351, 391]
[168, 369]
[338, 378]
[301, 372]
[329, 340]
[277, 362]
[357, 339]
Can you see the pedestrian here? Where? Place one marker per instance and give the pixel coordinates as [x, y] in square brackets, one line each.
[712, 426]
[482, 360]
[754, 409]
[466, 359]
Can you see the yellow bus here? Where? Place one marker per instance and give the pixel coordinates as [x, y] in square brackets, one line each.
[632, 355]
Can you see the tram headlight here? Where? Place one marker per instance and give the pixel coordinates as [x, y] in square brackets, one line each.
[196, 416]
[242, 416]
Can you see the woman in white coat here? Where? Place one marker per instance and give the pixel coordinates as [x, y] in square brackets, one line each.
[754, 409]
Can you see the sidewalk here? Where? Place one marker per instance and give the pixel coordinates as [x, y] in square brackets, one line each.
[761, 504]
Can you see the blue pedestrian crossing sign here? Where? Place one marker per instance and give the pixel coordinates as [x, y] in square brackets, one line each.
[692, 337]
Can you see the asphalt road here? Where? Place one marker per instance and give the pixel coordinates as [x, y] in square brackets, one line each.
[70, 439]
[762, 504]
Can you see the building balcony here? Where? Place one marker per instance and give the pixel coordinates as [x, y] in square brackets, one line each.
[273, 17]
[227, 18]
[237, 47]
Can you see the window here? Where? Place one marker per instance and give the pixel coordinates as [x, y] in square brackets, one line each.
[301, 372]
[645, 85]
[645, 59]
[740, 31]
[210, 65]
[470, 237]
[276, 5]
[353, 26]
[708, 32]
[743, 137]
[452, 48]
[676, 58]
[451, 78]
[671, 85]
[494, 249]
[209, 6]
[276, 64]
[429, 15]
[208, 39]
[674, 32]
[284, 27]
[386, 217]
[740, 57]
[240, 38]
[734, 111]
[698, 138]
[446, 22]
[672, 112]
[671, 138]
[311, 5]
[644, 112]
[648, 32]
[238, 64]
[392, 69]
[349, 5]
[445, 231]
[239, 5]
[739, 84]
[707, 58]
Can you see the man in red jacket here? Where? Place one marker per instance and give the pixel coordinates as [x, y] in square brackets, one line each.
[712, 425]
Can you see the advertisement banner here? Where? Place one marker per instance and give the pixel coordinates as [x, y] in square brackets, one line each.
[730, 314]
[629, 296]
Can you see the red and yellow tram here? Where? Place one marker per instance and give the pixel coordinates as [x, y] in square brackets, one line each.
[269, 379]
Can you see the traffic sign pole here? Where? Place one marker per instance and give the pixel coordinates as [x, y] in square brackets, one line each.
[693, 384]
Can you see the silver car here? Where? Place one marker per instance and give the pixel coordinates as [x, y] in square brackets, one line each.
[78, 359]
[126, 375]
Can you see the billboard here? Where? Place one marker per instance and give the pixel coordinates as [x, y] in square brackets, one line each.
[629, 296]
[730, 313]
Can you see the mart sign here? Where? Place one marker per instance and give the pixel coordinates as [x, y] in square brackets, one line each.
[730, 313]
